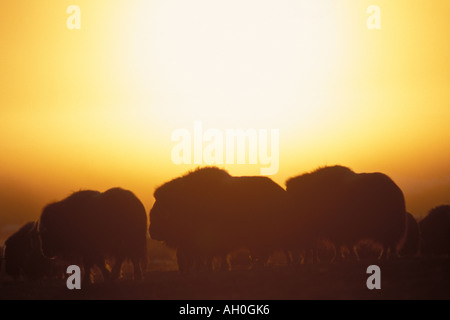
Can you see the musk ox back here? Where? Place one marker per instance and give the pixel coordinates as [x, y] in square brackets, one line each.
[23, 256]
[209, 213]
[95, 226]
[345, 207]
[435, 231]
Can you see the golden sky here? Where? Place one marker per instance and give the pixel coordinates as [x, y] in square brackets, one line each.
[96, 107]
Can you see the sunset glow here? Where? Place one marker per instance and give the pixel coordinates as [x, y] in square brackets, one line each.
[96, 107]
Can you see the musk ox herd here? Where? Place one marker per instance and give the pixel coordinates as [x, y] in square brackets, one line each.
[207, 214]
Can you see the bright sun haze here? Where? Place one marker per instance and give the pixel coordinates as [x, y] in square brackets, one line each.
[95, 108]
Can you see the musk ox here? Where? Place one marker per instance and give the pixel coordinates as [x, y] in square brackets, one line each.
[344, 207]
[208, 213]
[411, 243]
[435, 231]
[94, 226]
[23, 256]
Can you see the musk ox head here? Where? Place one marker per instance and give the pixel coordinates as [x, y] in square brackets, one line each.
[160, 216]
[20, 249]
[176, 200]
[51, 228]
[56, 225]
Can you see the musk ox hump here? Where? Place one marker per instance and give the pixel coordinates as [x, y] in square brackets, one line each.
[200, 178]
[320, 177]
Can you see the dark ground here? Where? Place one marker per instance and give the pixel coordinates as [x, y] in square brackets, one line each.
[415, 278]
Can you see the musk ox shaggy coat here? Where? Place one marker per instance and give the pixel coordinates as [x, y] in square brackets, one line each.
[344, 207]
[435, 231]
[209, 213]
[23, 256]
[94, 226]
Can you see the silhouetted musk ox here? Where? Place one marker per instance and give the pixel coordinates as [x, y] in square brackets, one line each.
[94, 226]
[411, 243]
[208, 213]
[23, 256]
[344, 207]
[435, 231]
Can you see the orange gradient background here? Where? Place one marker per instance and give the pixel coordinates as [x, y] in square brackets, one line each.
[95, 108]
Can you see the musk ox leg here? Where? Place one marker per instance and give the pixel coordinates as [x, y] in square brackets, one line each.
[393, 251]
[181, 261]
[257, 264]
[105, 272]
[259, 258]
[203, 263]
[220, 263]
[315, 253]
[87, 264]
[338, 253]
[303, 256]
[144, 263]
[185, 260]
[289, 259]
[224, 263]
[351, 253]
[293, 256]
[137, 269]
[389, 251]
[209, 263]
[115, 272]
[385, 254]
[355, 252]
[310, 256]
